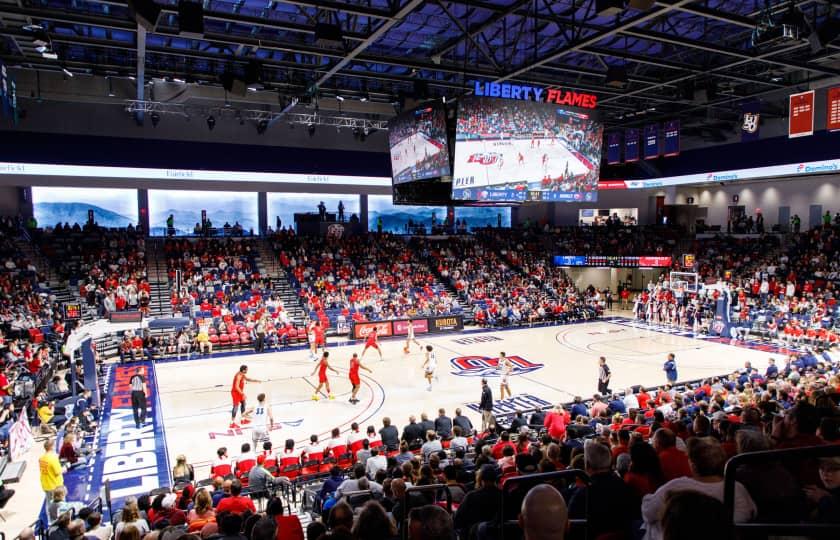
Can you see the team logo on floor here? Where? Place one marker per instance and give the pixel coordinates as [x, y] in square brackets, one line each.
[486, 366]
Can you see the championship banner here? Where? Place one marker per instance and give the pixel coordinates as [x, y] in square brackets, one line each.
[801, 115]
[631, 145]
[20, 436]
[614, 148]
[651, 141]
[750, 120]
[672, 138]
[4, 87]
[832, 121]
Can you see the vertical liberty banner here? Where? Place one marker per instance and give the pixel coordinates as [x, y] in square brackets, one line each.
[651, 141]
[614, 148]
[631, 145]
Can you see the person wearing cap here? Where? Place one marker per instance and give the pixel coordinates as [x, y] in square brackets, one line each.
[481, 504]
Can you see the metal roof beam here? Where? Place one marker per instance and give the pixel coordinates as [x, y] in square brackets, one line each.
[682, 41]
[592, 39]
[383, 28]
[466, 33]
[489, 22]
[669, 64]
[711, 70]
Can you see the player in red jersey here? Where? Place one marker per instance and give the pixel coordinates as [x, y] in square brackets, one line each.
[355, 366]
[521, 159]
[237, 393]
[320, 336]
[373, 342]
[322, 368]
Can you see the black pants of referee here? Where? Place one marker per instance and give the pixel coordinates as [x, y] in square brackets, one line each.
[603, 388]
[138, 407]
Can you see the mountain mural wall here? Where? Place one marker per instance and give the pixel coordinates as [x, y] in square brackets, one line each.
[49, 214]
[185, 219]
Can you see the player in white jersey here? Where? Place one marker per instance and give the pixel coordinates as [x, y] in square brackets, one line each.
[506, 367]
[262, 421]
[409, 337]
[429, 366]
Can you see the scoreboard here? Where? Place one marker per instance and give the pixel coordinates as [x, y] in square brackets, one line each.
[72, 311]
[613, 261]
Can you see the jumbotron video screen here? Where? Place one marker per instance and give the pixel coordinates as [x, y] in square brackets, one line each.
[520, 151]
[418, 144]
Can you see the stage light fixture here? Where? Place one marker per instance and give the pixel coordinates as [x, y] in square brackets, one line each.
[262, 125]
[311, 129]
[211, 122]
[155, 119]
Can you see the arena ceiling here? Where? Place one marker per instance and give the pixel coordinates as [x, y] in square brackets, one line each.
[695, 60]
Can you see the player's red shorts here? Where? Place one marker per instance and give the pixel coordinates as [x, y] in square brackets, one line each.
[355, 381]
[320, 340]
[373, 345]
[237, 398]
[322, 378]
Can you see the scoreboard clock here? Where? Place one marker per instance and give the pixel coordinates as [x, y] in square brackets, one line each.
[72, 311]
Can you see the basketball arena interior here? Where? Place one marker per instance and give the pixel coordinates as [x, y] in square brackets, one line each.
[419, 269]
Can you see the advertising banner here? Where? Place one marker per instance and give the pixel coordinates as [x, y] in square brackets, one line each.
[383, 328]
[446, 323]
[421, 326]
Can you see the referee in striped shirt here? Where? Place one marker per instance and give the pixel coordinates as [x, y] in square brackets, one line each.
[138, 397]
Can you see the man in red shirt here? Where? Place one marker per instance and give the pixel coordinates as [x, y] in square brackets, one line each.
[5, 389]
[236, 503]
[673, 461]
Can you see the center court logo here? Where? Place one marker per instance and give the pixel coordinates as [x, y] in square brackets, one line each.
[485, 366]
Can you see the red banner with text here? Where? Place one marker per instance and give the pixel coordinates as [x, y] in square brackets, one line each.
[832, 122]
[801, 115]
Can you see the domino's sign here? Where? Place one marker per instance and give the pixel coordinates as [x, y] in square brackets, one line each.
[485, 366]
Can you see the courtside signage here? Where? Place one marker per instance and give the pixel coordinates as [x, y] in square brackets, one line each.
[525, 92]
[90, 171]
[789, 169]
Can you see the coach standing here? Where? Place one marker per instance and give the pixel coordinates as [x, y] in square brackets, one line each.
[138, 397]
[670, 369]
[603, 377]
[486, 405]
